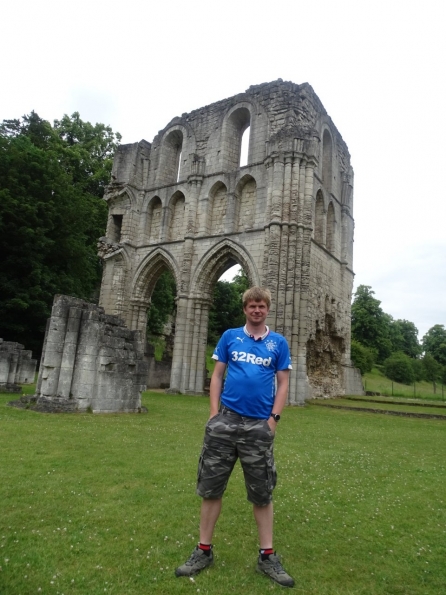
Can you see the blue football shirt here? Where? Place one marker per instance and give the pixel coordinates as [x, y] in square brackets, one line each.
[249, 387]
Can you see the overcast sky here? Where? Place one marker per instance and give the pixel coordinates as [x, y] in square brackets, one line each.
[378, 67]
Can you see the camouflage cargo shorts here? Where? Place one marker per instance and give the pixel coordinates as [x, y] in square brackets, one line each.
[228, 437]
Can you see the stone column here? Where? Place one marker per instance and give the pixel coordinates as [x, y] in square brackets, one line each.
[178, 349]
[13, 363]
[284, 246]
[69, 353]
[54, 348]
[302, 382]
[292, 247]
[231, 213]
[270, 170]
[202, 343]
[275, 233]
[138, 316]
[165, 220]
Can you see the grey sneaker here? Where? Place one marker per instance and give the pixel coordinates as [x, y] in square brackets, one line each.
[197, 561]
[274, 569]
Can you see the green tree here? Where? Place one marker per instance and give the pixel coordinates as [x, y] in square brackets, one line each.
[404, 336]
[162, 303]
[398, 367]
[432, 370]
[434, 343]
[49, 224]
[370, 325]
[362, 357]
[227, 307]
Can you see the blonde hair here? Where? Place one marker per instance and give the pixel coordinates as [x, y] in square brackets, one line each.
[257, 294]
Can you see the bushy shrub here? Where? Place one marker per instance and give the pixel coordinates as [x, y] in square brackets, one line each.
[418, 369]
[399, 367]
[362, 357]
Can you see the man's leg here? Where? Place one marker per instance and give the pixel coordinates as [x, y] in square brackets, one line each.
[210, 511]
[264, 519]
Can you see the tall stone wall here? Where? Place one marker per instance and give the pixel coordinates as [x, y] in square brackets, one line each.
[16, 366]
[90, 361]
[184, 203]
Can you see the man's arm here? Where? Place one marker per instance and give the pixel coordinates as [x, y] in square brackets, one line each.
[216, 385]
[283, 377]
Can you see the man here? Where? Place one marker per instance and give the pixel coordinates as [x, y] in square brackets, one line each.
[242, 423]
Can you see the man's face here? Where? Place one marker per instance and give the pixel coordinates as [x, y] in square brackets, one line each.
[256, 312]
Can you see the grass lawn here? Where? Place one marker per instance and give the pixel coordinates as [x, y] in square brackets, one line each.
[95, 504]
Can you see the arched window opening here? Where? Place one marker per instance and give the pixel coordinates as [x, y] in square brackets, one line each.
[319, 219]
[116, 228]
[179, 166]
[327, 157]
[331, 223]
[244, 147]
[237, 123]
[170, 160]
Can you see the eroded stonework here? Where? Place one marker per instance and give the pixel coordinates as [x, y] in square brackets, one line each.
[90, 361]
[16, 366]
[184, 203]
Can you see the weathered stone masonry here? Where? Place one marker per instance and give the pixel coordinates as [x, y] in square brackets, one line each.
[90, 361]
[16, 366]
[184, 203]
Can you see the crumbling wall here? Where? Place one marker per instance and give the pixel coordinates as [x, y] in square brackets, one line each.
[16, 366]
[91, 361]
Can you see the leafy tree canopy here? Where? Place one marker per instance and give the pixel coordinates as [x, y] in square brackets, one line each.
[51, 181]
[362, 357]
[404, 336]
[227, 307]
[370, 325]
[162, 304]
[398, 367]
[434, 343]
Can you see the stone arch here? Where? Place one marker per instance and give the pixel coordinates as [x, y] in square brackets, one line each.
[216, 261]
[176, 216]
[154, 219]
[331, 228]
[246, 192]
[237, 120]
[149, 272]
[218, 203]
[327, 160]
[144, 283]
[319, 218]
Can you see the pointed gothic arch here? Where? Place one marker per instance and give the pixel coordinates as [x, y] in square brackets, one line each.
[219, 259]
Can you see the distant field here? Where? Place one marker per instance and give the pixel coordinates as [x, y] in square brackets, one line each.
[376, 381]
[95, 504]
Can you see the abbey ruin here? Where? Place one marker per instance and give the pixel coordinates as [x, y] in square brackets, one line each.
[184, 203]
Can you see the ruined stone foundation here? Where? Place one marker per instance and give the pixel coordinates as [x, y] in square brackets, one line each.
[16, 366]
[90, 361]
